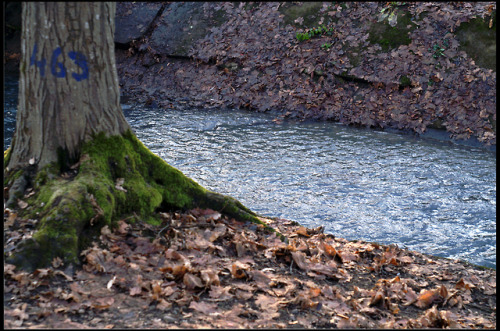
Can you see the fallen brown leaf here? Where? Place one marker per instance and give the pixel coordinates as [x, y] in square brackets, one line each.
[239, 270]
[378, 299]
[204, 307]
[210, 277]
[103, 303]
[191, 281]
[135, 290]
[428, 297]
[462, 284]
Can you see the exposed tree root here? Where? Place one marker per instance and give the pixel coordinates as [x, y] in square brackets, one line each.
[114, 178]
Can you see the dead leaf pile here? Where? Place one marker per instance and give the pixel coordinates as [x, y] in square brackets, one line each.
[201, 269]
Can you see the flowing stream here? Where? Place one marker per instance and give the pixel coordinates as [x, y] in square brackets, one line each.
[422, 194]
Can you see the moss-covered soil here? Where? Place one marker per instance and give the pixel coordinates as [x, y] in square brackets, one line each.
[115, 178]
[391, 36]
[478, 39]
[307, 13]
[200, 269]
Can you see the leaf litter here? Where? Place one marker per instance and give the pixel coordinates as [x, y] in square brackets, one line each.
[254, 61]
[201, 269]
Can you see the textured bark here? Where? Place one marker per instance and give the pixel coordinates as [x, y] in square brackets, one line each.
[65, 118]
[57, 114]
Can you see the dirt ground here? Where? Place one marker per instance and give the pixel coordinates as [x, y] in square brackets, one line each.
[200, 269]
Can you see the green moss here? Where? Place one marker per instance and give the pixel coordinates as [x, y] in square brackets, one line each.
[220, 16]
[389, 37]
[248, 6]
[354, 54]
[22, 67]
[478, 40]
[66, 213]
[11, 176]
[6, 157]
[49, 172]
[150, 182]
[8, 176]
[309, 11]
[70, 207]
[382, 33]
[404, 81]
[437, 124]
[493, 123]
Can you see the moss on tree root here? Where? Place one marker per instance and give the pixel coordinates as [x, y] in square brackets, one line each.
[116, 177]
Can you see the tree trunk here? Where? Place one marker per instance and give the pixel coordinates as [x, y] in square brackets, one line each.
[73, 146]
[65, 92]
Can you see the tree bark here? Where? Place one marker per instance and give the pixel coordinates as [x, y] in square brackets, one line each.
[66, 93]
[73, 146]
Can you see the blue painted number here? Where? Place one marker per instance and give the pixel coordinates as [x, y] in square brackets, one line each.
[57, 68]
[40, 64]
[53, 62]
[80, 61]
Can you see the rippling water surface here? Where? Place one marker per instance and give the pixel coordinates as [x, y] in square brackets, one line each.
[429, 196]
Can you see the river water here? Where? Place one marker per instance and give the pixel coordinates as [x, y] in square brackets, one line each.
[422, 194]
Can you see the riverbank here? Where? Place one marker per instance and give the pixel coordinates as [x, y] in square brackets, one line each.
[340, 69]
[205, 270]
[397, 65]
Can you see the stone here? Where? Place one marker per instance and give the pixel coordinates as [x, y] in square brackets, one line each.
[182, 24]
[133, 19]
